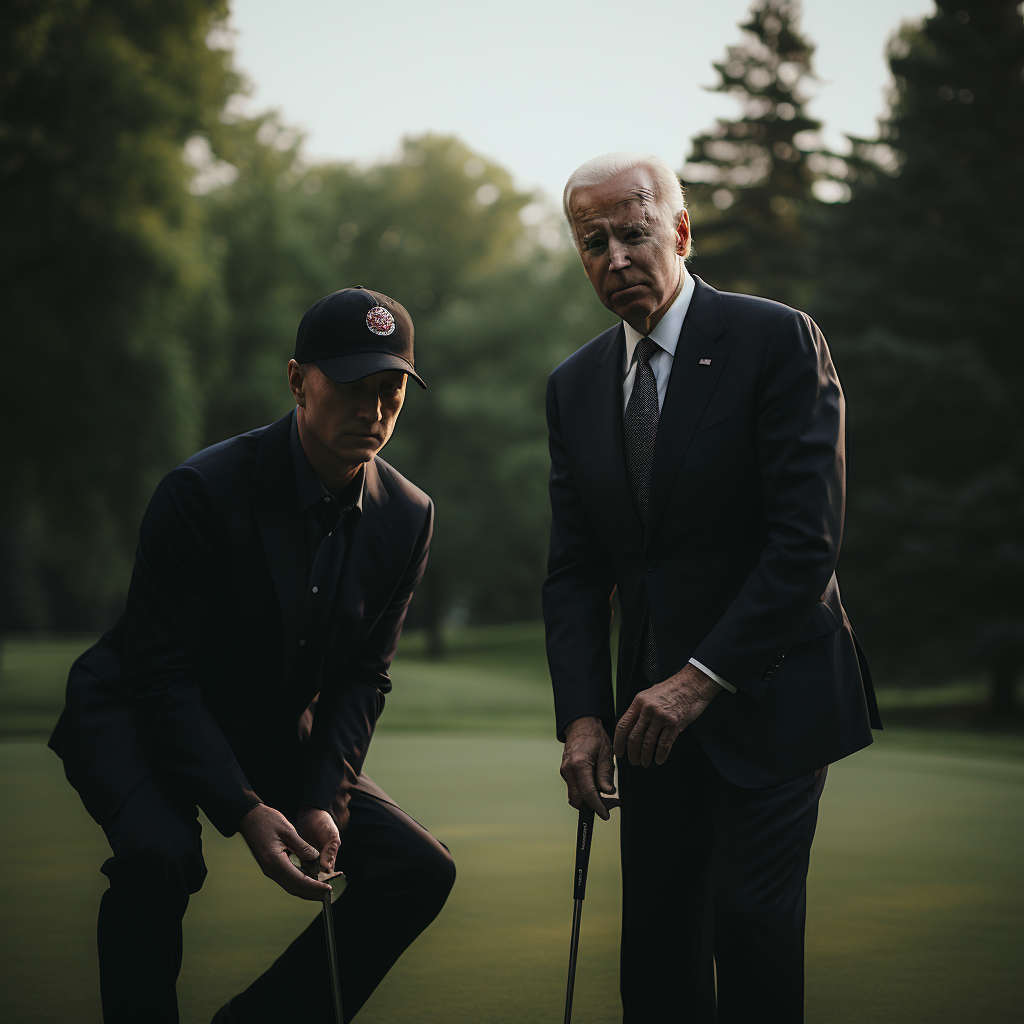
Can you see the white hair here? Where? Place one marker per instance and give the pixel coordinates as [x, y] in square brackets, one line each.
[667, 187]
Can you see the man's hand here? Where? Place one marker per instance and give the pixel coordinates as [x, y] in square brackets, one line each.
[318, 827]
[660, 713]
[587, 764]
[270, 837]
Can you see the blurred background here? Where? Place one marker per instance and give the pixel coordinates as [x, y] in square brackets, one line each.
[181, 180]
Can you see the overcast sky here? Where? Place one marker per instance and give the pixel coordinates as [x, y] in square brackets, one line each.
[539, 85]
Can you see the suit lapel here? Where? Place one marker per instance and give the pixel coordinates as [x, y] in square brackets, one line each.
[604, 397]
[697, 365]
[276, 508]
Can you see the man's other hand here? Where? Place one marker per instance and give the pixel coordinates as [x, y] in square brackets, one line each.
[270, 837]
[660, 713]
[587, 764]
[318, 828]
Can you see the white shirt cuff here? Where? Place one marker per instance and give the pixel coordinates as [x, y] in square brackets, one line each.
[714, 675]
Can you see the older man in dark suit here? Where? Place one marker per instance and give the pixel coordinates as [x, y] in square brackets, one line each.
[272, 578]
[697, 469]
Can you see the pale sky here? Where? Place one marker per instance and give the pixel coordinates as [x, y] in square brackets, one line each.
[538, 86]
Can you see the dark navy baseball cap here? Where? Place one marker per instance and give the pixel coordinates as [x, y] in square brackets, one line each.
[354, 332]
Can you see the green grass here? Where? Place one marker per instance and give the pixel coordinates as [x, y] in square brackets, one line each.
[916, 897]
[915, 894]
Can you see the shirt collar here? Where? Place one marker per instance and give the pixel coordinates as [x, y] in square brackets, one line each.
[666, 334]
[308, 485]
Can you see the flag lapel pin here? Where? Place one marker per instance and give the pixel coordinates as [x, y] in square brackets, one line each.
[704, 362]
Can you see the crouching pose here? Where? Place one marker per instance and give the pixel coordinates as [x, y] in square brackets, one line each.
[272, 577]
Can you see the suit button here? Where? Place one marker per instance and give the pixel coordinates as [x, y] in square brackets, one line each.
[302, 643]
[651, 566]
[768, 675]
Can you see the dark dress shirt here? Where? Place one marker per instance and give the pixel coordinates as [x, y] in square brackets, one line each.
[327, 525]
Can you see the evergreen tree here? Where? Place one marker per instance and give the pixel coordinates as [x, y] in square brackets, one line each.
[923, 309]
[750, 180]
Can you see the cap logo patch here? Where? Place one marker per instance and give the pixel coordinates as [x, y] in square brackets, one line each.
[380, 321]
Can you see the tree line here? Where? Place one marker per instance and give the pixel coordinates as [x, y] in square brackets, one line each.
[160, 249]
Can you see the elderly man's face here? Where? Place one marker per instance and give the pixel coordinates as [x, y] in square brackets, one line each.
[629, 246]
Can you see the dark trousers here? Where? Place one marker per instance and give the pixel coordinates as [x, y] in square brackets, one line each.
[714, 883]
[397, 879]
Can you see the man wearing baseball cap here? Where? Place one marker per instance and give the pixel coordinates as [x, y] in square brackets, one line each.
[273, 574]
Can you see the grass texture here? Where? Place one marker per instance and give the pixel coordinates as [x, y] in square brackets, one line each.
[916, 897]
[916, 900]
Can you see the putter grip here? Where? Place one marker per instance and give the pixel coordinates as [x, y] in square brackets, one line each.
[584, 836]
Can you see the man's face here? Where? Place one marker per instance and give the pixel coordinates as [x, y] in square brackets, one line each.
[350, 421]
[628, 245]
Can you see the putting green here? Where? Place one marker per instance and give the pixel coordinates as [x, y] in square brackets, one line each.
[916, 897]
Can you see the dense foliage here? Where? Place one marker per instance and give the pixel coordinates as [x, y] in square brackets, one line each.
[922, 304]
[159, 254]
[160, 249]
[108, 294]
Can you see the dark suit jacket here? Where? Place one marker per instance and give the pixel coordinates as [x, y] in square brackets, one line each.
[737, 560]
[204, 674]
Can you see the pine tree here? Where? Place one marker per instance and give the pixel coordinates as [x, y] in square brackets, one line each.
[750, 180]
[923, 307]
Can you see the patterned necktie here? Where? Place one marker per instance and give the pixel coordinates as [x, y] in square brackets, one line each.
[641, 431]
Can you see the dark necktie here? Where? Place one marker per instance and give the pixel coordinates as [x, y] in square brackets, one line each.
[641, 431]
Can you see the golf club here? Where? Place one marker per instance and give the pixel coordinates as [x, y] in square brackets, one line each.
[584, 835]
[332, 947]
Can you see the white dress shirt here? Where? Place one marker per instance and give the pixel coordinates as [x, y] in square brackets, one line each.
[665, 336]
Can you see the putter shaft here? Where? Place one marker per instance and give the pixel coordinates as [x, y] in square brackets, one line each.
[311, 869]
[584, 835]
[574, 946]
[332, 956]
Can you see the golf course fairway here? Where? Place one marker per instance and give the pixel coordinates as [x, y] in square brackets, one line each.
[916, 896]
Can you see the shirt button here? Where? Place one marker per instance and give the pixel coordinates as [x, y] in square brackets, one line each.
[302, 643]
[314, 590]
[651, 566]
